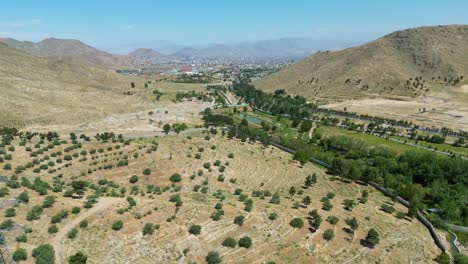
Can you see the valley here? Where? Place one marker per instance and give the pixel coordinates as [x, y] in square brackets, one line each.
[321, 148]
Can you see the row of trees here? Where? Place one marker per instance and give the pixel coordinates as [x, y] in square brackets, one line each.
[278, 103]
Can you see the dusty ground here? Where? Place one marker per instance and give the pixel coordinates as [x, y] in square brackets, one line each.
[254, 168]
[449, 109]
[142, 122]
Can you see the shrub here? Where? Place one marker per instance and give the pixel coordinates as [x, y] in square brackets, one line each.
[387, 208]
[195, 229]
[333, 219]
[239, 220]
[117, 225]
[22, 238]
[237, 191]
[72, 233]
[133, 179]
[76, 210]
[176, 177]
[44, 254]
[20, 254]
[83, 224]
[297, 223]
[327, 206]
[273, 216]
[78, 258]
[10, 212]
[328, 234]
[213, 258]
[52, 229]
[372, 237]
[349, 204]
[245, 242]
[148, 229]
[147, 171]
[230, 242]
[34, 213]
[275, 199]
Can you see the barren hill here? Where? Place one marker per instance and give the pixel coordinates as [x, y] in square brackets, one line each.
[54, 91]
[404, 63]
[73, 50]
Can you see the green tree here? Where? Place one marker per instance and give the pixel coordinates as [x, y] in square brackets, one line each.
[117, 225]
[307, 201]
[148, 229]
[44, 254]
[239, 220]
[292, 191]
[230, 242]
[20, 254]
[78, 258]
[372, 238]
[52, 229]
[328, 234]
[245, 242]
[352, 223]
[195, 229]
[349, 204]
[333, 219]
[213, 258]
[296, 222]
[166, 128]
[72, 233]
[133, 179]
[176, 177]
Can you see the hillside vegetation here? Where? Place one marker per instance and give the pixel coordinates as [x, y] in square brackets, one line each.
[405, 63]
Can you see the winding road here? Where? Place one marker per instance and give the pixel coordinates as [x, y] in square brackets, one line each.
[103, 204]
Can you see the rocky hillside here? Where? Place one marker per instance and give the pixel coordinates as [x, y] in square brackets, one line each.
[404, 63]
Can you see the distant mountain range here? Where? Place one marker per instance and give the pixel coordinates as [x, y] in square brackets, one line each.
[77, 51]
[150, 56]
[285, 48]
[73, 50]
[404, 63]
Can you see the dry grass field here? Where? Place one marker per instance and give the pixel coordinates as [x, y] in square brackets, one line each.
[250, 167]
[443, 107]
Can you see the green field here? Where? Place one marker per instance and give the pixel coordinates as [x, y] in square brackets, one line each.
[442, 147]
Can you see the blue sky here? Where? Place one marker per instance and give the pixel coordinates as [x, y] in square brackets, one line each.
[113, 24]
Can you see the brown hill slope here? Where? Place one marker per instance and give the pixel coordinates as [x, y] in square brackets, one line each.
[403, 63]
[35, 90]
[73, 50]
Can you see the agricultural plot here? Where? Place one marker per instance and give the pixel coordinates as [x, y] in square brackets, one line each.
[180, 197]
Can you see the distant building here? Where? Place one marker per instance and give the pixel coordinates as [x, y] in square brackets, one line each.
[185, 69]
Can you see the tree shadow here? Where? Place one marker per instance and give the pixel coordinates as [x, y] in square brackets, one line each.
[365, 243]
[348, 230]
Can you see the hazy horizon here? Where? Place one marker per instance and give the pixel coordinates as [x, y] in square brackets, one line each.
[124, 26]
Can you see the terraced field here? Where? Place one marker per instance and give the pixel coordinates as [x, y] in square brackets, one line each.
[246, 166]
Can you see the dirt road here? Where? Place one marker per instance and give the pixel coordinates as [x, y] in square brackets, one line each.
[102, 205]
